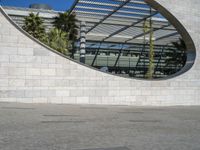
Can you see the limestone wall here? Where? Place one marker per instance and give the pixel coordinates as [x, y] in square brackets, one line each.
[31, 73]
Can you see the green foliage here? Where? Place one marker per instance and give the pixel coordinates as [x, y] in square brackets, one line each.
[61, 38]
[34, 26]
[57, 40]
[61, 21]
[177, 57]
[67, 23]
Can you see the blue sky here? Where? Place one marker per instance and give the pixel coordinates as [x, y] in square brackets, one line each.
[55, 4]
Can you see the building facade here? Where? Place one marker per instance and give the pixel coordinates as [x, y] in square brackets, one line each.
[18, 14]
[106, 50]
[31, 72]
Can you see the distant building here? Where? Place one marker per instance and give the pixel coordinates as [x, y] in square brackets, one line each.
[45, 12]
[41, 6]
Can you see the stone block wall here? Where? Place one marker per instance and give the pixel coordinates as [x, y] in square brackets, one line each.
[31, 73]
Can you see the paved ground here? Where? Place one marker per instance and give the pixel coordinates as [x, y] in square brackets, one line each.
[81, 127]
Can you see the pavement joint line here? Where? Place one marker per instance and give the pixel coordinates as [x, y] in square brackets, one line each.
[111, 148]
[63, 121]
[61, 115]
[130, 112]
[24, 108]
[144, 121]
[93, 108]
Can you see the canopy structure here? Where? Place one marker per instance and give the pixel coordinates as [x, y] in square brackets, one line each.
[122, 21]
[117, 34]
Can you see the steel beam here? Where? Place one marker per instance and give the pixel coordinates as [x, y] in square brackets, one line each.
[140, 35]
[97, 52]
[114, 11]
[73, 6]
[166, 36]
[137, 26]
[120, 51]
[161, 54]
[132, 25]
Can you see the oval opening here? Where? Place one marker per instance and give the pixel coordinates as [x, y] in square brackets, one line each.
[133, 38]
[136, 39]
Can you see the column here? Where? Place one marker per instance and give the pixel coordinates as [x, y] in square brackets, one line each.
[82, 41]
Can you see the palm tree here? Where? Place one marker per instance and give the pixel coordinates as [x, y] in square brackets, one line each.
[151, 66]
[33, 24]
[73, 28]
[57, 40]
[67, 23]
[148, 28]
[61, 21]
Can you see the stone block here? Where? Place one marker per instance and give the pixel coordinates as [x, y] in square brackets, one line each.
[3, 71]
[113, 93]
[40, 100]
[125, 92]
[16, 93]
[34, 59]
[3, 82]
[9, 39]
[101, 92]
[8, 99]
[48, 93]
[33, 72]
[25, 100]
[16, 71]
[33, 83]
[76, 93]
[4, 58]
[69, 100]
[32, 93]
[8, 50]
[55, 100]
[48, 60]
[4, 93]
[40, 52]
[82, 100]
[48, 83]
[62, 72]
[95, 100]
[18, 59]
[62, 83]
[25, 51]
[48, 72]
[16, 82]
[62, 93]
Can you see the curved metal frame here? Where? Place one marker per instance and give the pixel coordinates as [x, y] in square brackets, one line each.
[191, 49]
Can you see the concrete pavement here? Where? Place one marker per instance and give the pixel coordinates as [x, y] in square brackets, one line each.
[84, 127]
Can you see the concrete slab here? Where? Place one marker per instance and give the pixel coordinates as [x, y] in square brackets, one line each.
[91, 127]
